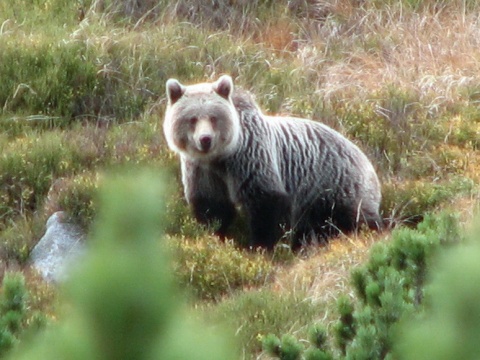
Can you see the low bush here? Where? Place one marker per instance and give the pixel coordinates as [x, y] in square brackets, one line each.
[212, 269]
[77, 197]
[30, 165]
[408, 202]
[52, 80]
[27, 169]
[388, 288]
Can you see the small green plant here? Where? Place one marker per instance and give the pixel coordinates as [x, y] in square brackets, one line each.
[408, 202]
[289, 348]
[18, 237]
[76, 197]
[12, 311]
[49, 80]
[28, 167]
[390, 286]
[15, 317]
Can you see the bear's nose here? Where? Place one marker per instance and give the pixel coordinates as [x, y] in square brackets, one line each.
[206, 142]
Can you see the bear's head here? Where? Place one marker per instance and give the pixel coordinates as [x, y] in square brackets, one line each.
[201, 121]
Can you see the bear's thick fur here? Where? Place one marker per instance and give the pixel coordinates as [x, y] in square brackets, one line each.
[285, 173]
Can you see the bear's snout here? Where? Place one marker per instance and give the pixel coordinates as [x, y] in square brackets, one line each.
[204, 135]
[205, 142]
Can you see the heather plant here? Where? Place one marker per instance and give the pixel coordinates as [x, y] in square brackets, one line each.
[45, 79]
[212, 269]
[27, 169]
[29, 166]
[408, 202]
[77, 197]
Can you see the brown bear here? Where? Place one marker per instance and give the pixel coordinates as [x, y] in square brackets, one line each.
[285, 173]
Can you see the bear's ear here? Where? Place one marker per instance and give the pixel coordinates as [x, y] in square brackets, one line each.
[224, 86]
[175, 90]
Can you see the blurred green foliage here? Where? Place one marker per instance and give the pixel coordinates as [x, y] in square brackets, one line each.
[122, 302]
[449, 325]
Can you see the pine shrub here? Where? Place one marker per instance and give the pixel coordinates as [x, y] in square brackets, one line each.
[388, 288]
[12, 310]
[15, 316]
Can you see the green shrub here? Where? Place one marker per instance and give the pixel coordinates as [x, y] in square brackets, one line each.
[408, 202]
[77, 197]
[126, 307]
[394, 126]
[18, 237]
[212, 269]
[66, 163]
[388, 288]
[15, 317]
[288, 348]
[28, 167]
[390, 285]
[74, 79]
[45, 78]
[449, 326]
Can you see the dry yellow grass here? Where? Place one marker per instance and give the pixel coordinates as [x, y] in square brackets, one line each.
[434, 53]
[323, 273]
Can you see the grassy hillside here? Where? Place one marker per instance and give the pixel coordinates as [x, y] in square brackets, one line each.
[82, 92]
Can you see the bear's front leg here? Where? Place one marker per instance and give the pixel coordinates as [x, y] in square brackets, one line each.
[209, 211]
[268, 212]
[207, 194]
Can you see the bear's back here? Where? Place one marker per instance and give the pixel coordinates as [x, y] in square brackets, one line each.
[309, 152]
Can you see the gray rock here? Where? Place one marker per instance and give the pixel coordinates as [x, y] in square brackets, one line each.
[62, 246]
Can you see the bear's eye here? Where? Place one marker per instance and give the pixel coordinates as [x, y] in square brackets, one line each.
[193, 120]
[213, 120]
